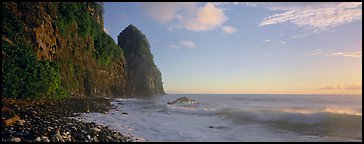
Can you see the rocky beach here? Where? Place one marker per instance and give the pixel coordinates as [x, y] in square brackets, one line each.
[45, 120]
[58, 63]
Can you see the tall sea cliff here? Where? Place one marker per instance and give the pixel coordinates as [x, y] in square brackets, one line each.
[60, 49]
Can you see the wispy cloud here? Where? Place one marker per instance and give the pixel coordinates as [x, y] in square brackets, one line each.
[353, 87]
[330, 88]
[300, 36]
[237, 3]
[183, 44]
[188, 16]
[187, 43]
[276, 41]
[315, 52]
[173, 46]
[267, 40]
[353, 54]
[228, 29]
[343, 87]
[315, 17]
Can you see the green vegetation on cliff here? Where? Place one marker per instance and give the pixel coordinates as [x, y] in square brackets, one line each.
[106, 49]
[70, 13]
[26, 76]
[73, 14]
[22, 74]
[58, 49]
[144, 78]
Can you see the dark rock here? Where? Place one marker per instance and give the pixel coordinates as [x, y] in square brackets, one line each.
[182, 100]
[52, 124]
[124, 113]
[144, 78]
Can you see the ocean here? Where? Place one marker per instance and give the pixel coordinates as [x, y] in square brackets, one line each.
[237, 117]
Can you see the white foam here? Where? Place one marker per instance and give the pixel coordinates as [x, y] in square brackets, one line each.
[154, 120]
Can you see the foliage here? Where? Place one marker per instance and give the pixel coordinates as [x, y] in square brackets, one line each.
[76, 12]
[134, 41]
[23, 76]
[106, 49]
[69, 13]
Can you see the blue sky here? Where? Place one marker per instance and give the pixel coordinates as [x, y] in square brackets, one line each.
[249, 47]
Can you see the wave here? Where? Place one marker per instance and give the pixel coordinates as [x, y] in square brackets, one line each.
[292, 116]
[326, 122]
[337, 122]
[295, 115]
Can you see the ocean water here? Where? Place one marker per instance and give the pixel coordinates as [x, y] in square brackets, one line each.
[247, 117]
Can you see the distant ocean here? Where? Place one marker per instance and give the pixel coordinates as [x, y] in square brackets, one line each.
[246, 117]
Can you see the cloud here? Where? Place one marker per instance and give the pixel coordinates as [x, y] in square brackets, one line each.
[228, 29]
[353, 87]
[173, 46]
[267, 40]
[237, 3]
[300, 36]
[315, 17]
[188, 15]
[278, 41]
[183, 44]
[330, 88]
[355, 54]
[207, 17]
[315, 52]
[165, 11]
[345, 87]
[187, 43]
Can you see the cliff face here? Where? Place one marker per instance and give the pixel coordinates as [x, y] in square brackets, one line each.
[143, 76]
[60, 49]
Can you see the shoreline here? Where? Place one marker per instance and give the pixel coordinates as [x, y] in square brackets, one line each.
[43, 120]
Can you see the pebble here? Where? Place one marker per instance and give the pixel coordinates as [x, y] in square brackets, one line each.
[37, 139]
[21, 122]
[88, 137]
[94, 130]
[45, 139]
[108, 138]
[34, 113]
[15, 139]
[59, 137]
[43, 121]
[95, 139]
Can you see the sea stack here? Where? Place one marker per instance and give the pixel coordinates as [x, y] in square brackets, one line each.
[143, 76]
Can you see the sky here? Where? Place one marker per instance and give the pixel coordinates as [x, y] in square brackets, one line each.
[249, 48]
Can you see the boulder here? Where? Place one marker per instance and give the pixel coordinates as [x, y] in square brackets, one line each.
[182, 100]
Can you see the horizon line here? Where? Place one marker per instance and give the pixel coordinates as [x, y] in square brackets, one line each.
[263, 94]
